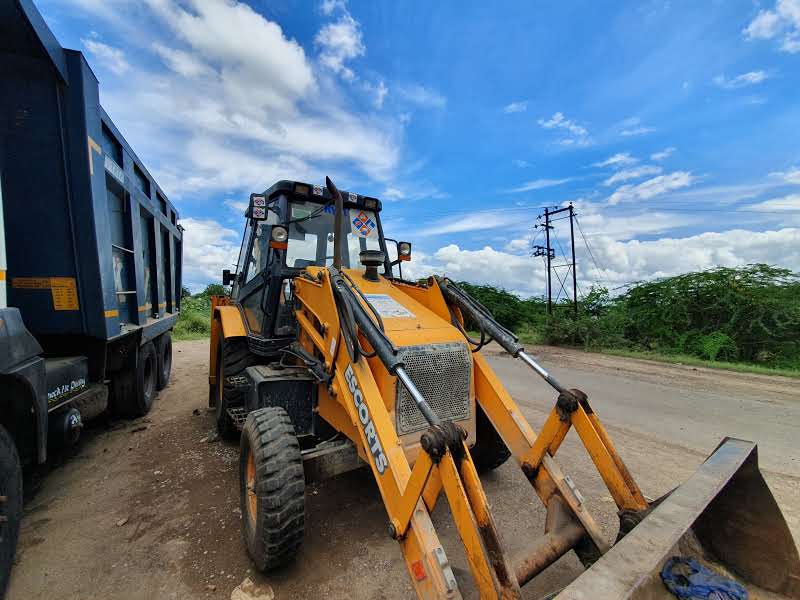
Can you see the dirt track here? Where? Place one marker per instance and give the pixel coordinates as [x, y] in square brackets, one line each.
[149, 509]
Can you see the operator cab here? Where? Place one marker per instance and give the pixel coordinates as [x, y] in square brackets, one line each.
[290, 227]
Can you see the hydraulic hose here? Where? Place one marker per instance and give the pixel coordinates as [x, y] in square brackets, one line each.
[480, 315]
[353, 319]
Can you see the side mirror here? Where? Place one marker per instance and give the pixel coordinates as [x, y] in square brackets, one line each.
[403, 251]
[227, 277]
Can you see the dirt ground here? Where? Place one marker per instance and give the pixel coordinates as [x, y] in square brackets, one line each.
[149, 509]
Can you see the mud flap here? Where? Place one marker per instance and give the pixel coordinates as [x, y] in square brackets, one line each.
[724, 515]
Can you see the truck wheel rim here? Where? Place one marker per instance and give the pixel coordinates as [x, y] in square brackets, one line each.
[250, 481]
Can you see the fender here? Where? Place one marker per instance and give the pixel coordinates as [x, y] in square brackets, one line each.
[226, 322]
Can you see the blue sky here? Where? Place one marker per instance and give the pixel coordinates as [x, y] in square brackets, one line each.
[672, 126]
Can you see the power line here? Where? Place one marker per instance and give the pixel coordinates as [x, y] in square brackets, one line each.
[589, 248]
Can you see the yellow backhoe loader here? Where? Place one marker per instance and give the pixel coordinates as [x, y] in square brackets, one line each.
[322, 358]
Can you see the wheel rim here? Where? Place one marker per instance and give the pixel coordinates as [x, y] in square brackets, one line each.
[250, 482]
[149, 376]
[167, 359]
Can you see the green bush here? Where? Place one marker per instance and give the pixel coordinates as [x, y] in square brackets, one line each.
[750, 314]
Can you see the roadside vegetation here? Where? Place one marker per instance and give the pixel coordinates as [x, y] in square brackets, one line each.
[194, 322]
[742, 319]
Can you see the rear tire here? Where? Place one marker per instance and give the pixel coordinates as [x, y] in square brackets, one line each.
[233, 357]
[489, 451]
[10, 505]
[271, 488]
[164, 353]
[135, 390]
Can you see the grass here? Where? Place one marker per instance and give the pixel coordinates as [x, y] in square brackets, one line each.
[531, 336]
[194, 322]
[685, 359]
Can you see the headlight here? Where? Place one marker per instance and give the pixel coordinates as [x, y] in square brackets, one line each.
[404, 249]
[279, 234]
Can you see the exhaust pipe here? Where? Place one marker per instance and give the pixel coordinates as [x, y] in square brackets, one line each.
[337, 222]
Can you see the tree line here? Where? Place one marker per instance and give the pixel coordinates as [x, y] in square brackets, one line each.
[747, 314]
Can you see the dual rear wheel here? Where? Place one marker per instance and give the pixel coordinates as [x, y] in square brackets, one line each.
[134, 389]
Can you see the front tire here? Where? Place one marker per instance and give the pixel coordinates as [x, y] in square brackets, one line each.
[10, 505]
[271, 488]
[489, 451]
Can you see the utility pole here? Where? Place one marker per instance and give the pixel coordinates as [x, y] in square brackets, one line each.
[574, 270]
[547, 227]
[550, 253]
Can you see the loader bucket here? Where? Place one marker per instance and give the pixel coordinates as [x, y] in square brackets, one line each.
[724, 516]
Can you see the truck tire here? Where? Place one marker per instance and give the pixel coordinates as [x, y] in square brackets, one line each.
[134, 390]
[164, 353]
[10, 505]
[271, 488]
[489, 451]
[233, 357]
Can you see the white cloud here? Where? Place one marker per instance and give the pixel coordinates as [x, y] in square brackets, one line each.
[636, 260]
[520, 163]
[380, 91]
[516, 107]
[236, 97]
[393, 193]
[414, 190]
[766, 25]
[489, 266]
[340, 42]
[538, 184]
[109, 57]
[634, 173]
[182, 63]
[637, 131]
[479, 221]
[791, 43]
[787, 203]
[621, 261]
[652, 187]
[618, 160]
[790, 176]
[664, 154]
[579, 136]
[327, 7]
[271, 73]
[237, 206]
[208, 248]
[740, 81]
[783, 21]
[422, 96]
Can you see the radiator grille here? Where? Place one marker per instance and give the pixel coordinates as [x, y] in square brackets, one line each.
[442, 373]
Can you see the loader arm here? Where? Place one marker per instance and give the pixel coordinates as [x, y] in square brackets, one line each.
[354, 403]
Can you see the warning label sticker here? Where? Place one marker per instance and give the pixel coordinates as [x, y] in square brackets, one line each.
[63, 289]
[388, 307]
[362, 225]
[65, 293]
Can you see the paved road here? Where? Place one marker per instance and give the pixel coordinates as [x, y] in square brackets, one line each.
[177, 493]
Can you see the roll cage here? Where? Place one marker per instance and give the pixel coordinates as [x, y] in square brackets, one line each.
[261, 282]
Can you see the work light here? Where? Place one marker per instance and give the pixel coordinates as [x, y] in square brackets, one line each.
[279, 234]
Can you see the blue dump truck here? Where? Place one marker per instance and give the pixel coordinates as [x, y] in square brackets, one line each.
[90, 260]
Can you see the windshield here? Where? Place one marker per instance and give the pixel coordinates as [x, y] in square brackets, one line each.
[311, 235]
